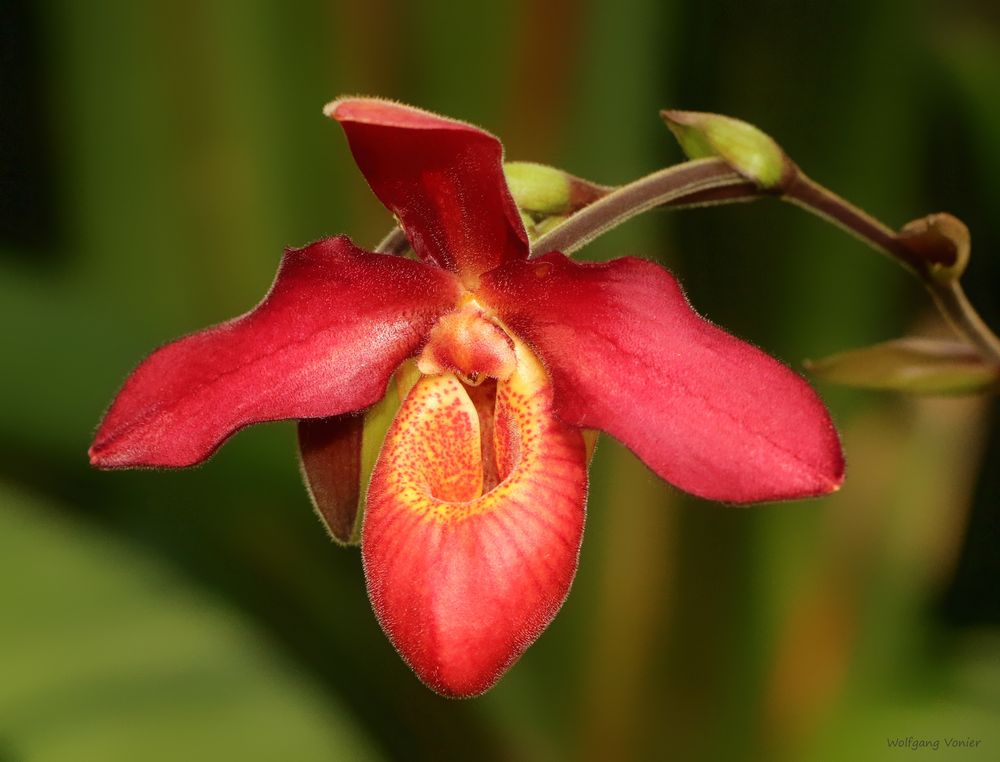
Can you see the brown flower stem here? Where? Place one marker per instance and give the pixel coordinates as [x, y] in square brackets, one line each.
[723, 194]
[701, 181]
[813, 197]
[395, 242]
[948, 295]
[705, 182]
[956, 308]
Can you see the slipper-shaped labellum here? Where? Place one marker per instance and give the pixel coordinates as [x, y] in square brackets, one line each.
[475, 510]
[473, 524]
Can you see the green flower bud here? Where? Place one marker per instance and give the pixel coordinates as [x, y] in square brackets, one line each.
[544, 191]
[549, 223]
[529, 225]
[537, 188]
[752, 153]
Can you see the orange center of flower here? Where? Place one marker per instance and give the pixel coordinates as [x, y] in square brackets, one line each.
[468, 343]
[456, 449]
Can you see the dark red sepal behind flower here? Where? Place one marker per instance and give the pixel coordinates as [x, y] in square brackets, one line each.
[324, 341]
[443, 179]
[330, 454]
[709, 413]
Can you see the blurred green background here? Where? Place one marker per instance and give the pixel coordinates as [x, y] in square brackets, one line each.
[155, 158]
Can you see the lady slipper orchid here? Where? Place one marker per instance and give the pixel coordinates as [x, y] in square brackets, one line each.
[475, 508]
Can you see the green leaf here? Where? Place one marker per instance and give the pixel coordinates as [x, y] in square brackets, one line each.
[918, 365]
[107, 655]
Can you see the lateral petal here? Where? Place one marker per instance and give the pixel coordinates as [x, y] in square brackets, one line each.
[463, 582]
[324, 341]
[628, 355]
[443, 179]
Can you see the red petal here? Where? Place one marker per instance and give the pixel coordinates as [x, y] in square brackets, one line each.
[330, 450]
[627, 354]
[324, 341]
[463, 583]
[443, 179]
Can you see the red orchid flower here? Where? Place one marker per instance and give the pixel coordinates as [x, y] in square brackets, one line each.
[475, 509]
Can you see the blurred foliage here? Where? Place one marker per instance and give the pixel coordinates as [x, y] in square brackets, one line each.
[117, 659]
[158, 156]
